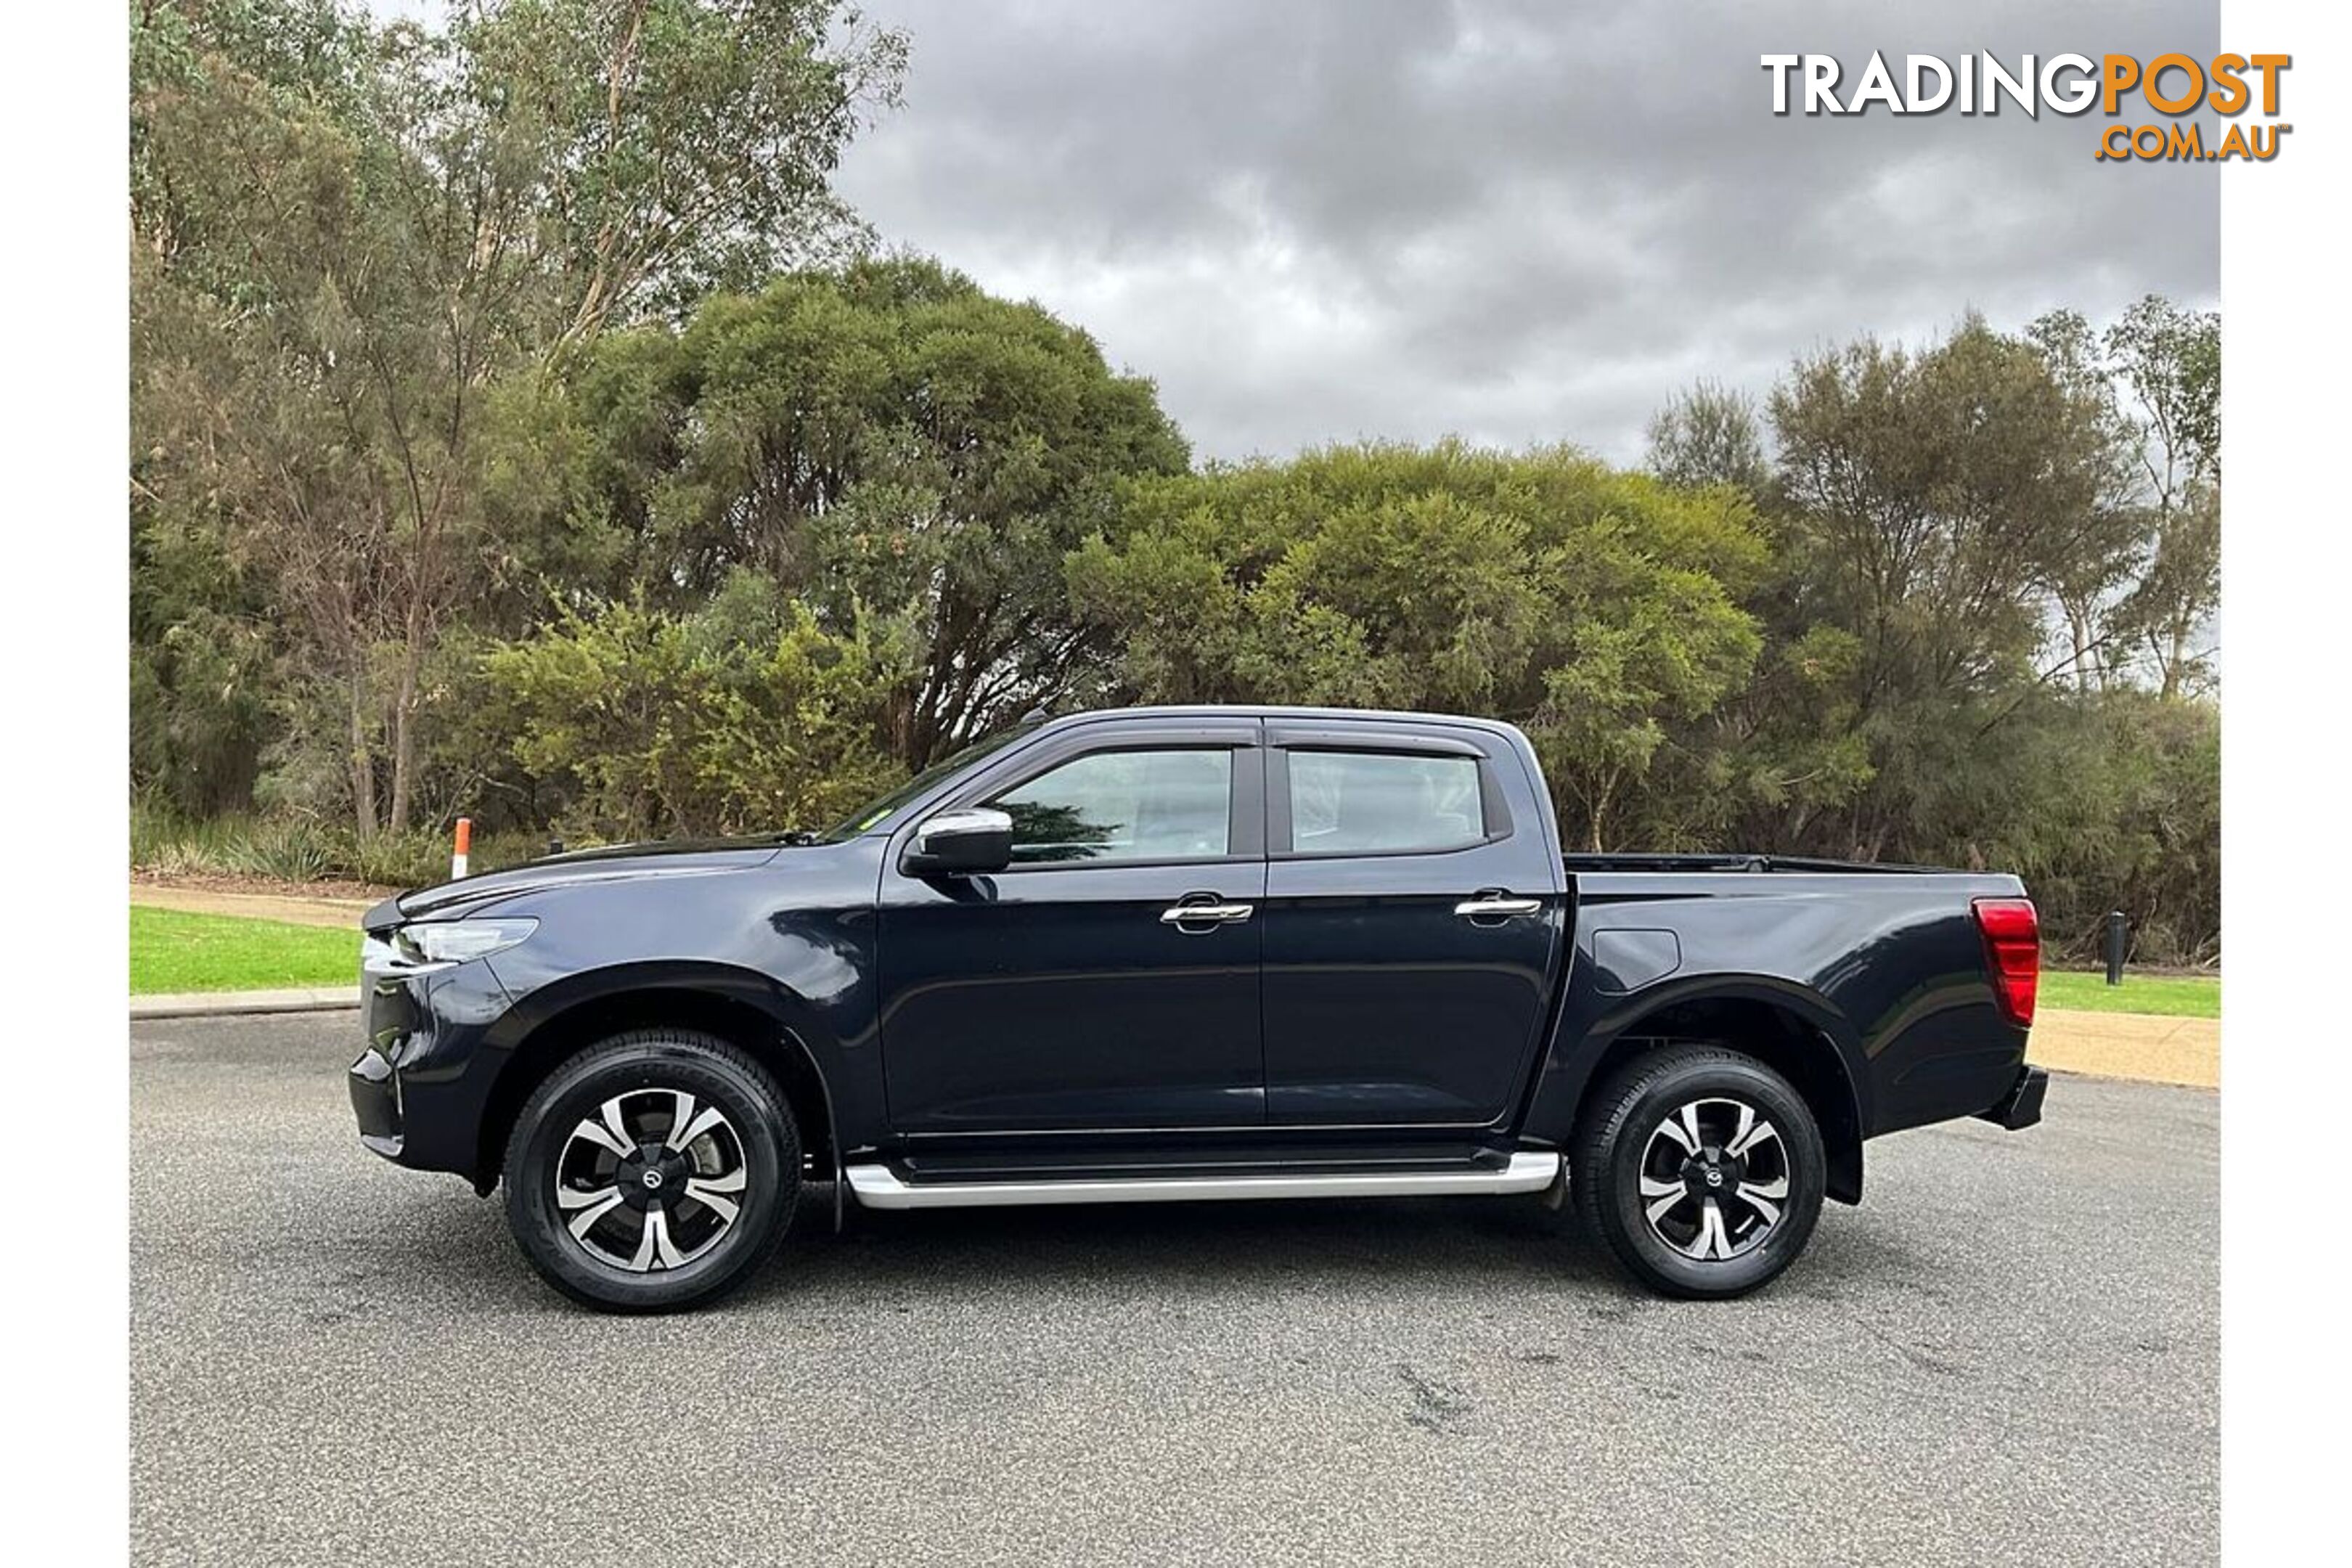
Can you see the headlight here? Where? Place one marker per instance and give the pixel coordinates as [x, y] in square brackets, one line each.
[455, 942]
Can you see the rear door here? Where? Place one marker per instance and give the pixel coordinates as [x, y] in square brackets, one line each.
[1412, 925]
[1074, 991]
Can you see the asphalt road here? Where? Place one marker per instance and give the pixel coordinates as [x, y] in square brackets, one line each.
[2007, 1356]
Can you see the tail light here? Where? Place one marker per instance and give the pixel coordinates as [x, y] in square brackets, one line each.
[2012, 939]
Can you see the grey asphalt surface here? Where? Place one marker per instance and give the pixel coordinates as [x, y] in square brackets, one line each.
[2008, 1355]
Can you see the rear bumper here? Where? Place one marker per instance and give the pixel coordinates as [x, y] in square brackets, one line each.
[2020, 1107]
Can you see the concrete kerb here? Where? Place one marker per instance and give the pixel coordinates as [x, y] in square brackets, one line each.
[230, 1004]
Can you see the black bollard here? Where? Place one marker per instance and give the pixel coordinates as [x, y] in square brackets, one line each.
[555, 847]
[2117, 928]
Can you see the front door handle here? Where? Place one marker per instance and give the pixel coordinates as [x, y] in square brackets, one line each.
[1186, 916]
[1496, 906]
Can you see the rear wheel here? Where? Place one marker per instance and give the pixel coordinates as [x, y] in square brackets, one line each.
[652, 1172]
[1702, 1169]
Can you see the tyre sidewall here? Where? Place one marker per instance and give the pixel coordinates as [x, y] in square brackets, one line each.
[1649, 1099]
[709, 1070]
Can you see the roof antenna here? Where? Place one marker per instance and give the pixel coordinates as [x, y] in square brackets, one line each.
[1036, 715]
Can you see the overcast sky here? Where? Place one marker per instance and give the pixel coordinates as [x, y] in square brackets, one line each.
[1516, 220]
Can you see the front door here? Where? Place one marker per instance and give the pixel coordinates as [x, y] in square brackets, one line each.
[1407, 972]
[1108, 978]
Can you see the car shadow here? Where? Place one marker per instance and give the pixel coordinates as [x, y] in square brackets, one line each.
[1443, 1248]
[1182, 1248]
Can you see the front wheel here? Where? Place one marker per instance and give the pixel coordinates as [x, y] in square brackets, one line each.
[652, 1172]
[1702, 1169]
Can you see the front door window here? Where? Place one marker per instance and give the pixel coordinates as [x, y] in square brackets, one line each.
[1162, 805]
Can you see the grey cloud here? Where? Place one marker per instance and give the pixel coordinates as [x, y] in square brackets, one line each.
[1513, 220]
[1517, 222]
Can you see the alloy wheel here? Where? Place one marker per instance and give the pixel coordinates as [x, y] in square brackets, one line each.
[654, 1180]
[1715, 1179]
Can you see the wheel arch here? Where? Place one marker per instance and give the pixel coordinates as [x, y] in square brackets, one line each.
[745, 1009]
[1798, 1038]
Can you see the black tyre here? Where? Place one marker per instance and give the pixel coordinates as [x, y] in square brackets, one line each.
[653, 1171]
[1702, 1169]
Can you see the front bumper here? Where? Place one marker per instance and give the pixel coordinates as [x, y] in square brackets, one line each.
[395, 1013]
[376, 1103]
[420, 1083]
[2020, 1107]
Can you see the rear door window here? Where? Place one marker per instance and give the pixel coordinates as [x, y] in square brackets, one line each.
[1372, 803]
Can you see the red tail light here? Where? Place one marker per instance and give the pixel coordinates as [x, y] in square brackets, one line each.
[2012, 939]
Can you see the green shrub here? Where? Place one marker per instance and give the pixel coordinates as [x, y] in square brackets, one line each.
[744, 717]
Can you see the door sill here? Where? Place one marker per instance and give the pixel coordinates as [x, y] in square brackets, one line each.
[878, 1187]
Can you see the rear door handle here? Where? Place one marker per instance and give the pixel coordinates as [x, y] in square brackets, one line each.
[1496, 906]
[1207, 914]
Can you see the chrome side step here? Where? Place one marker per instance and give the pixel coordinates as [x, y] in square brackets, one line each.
[878, 1188]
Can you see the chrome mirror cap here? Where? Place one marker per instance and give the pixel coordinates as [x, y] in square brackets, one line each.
[968, 842]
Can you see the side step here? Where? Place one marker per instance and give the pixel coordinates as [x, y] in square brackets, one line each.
[878, 1186]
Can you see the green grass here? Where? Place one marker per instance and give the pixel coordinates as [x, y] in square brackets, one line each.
[171, 950]
[2173, 996]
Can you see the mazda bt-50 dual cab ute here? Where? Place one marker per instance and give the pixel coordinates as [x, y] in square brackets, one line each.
[1175, 954]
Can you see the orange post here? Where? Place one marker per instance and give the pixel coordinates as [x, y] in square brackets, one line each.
[465, 846]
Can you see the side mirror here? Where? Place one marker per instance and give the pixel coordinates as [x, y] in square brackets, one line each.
[967, 842]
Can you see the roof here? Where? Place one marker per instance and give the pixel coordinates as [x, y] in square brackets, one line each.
[1276, 710]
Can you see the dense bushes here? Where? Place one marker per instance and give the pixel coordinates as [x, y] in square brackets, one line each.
[1594, 608]
[2127, 815]
[634, 523]
[740, 717]
[1864, 672]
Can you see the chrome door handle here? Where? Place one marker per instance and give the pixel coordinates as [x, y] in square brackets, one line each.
[1207, 914]
[1495, 906]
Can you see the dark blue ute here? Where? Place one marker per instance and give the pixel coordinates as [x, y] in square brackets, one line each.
[1183, 953]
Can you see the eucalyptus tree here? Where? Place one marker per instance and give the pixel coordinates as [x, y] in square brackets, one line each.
[2098, 553]
[352, 240]
[888, 442]
[2170, 360]
[1931, 497]
[1708, 435]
